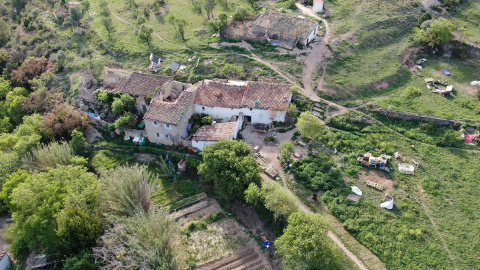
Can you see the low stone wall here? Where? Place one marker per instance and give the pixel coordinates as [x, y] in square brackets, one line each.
[422, 118]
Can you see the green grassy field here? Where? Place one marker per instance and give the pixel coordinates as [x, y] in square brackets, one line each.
[436, 210]
[467, 15]
[463, 105]
[369, 39]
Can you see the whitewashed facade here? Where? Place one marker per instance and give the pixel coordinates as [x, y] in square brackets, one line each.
[251, 115]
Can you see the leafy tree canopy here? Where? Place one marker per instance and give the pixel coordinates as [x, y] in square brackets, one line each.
[434, 33]
[286, 151]
[305, 244]
[276, 198]
[230, 167]
[45, 203]
[310, 126]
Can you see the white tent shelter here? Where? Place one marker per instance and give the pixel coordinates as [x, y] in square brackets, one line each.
[387, 205]
[356, 190]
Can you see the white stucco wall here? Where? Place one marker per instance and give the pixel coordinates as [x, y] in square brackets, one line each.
[257, 115]
[312, 34]
[201, 144]
[317, 6]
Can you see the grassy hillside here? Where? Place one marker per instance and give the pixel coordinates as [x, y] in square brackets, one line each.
[369, 38]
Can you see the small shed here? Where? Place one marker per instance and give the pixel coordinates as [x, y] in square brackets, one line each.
[317, 5]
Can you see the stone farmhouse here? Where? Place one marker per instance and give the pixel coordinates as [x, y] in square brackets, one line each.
[276, 26]
[143, 86]
[258, 102]
[167, 116]
[167, 105]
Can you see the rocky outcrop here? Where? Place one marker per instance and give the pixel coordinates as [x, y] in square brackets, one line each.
[87, 86]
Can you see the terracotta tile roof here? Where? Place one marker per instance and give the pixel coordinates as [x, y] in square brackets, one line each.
[215, 132]
[285, 23]
[270, 95]
[170, 112]
[140, 84]
[216, 94]
[237, 94]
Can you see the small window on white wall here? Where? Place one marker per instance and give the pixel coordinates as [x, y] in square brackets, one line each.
[166, 136]
[203, 108]
[155, 123]
[158, 134]
[167, 126]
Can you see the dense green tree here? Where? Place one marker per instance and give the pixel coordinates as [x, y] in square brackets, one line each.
[127, 120]
[10, 162]
[181, 24]
[76, 14]
[39, 201]
[425, 17]
[145, 34]
[102, 96]
[434, 33]
[117, 106]
[78, 228]
[82, 261]
[4, 32]
[286, 151]
[229, 165]
[240, 15]
[5, 87]
[24, 137]
[10, 182]
[275, 198]
[317, 173]
[310, 126]
[78, 142]
[220, 24]
[305, 244]
[12, 107]
[128, 102]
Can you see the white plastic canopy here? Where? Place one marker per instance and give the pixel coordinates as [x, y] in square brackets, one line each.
[387, 205]
[356, 190]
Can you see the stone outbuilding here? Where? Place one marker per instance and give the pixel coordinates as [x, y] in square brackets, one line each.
[276, 26]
